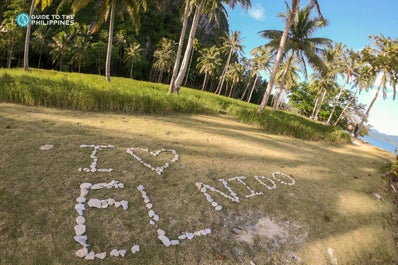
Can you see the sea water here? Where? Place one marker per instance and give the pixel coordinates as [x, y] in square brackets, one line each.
[375, 142]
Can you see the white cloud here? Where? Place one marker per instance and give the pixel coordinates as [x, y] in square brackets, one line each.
[257, 12]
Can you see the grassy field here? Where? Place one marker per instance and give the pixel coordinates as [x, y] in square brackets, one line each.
[92, 93]
[329, 216]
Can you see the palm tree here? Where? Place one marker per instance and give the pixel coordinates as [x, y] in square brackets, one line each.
[39, 44]
[34, 3]
[232, 44]
[59, 48]
[233, 76]
[208, 62]
[284, 80]
[299, 42]
[107, 7]
[324, 82]
[164, 57]
[133, 53]
[381, 64]
[346, 65]
[260, 62]
[282, 43]
[80, 52]
[195, 47]
[200, 6]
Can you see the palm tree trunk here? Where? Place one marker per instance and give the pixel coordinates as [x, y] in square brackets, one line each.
[110, 37]
[244, 92]
[283, 81]
[252, 90]
[264, 101]
[180, 46]
[189, 67]
[224, 73]
[204, 82]
[318, 109]
[131, 69]
[184, 63]
[38, 65]
[371, 104]
[27, 39]
[337, 100]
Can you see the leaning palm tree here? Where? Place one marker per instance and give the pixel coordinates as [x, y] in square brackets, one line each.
[107, 8]
[133, 53]
[233, 76]
[208, 62]
[299, 44]
[201, 7]
[285, 80]
[282, 43]
[232, 44]
[44, 4]
[381, 63]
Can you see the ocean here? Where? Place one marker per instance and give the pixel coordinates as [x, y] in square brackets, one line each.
[379, 143]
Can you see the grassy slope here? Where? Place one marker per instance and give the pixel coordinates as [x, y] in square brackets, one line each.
[330, 206]
[93, 93]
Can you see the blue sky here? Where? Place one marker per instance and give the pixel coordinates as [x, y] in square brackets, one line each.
[350, 22]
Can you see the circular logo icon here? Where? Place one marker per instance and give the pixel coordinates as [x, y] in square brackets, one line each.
[23, 19]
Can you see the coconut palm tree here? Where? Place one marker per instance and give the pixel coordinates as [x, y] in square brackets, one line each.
[233, 76]
[282, 43]
[59, 48]
[133, 53]
[107, 8]
[325, 83]
[44, 4]
[201, 7]
[164, 57]
[261, 62]
[299, 42]
[232, 44]
[284, 80]
[79, 50]
[208, 62]
[39, 44]
[381, 62]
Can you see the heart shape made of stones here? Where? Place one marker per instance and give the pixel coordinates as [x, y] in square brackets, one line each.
[158, 170]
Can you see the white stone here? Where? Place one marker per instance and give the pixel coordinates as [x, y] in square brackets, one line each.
[164, 240]
[80, 212]
[151, 213]
[140, 187]
[97, 186]
[81, 253]
[111, 201]
[114, 253]
[82, 240]
[190, 236]
[104, 204]
[149, 205]
[156, 218]
[117, 204]
[197, 233]
[94, 203]
[202, 232]
[146, 200]
[120, 185]
[215, 204]
[174, 242]
[218, 208]
[80, 207]
[152, 222]
[135, 248]
[182, 237]
[124, 204]
[80, 199]
[122, 252]
[100, 255]
[83, 192]
[208, 231]
[90, 255]
[80, 220]
[80, 229]
[161, 232]
[85, 185]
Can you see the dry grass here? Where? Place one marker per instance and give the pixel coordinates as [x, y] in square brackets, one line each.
[330, 206]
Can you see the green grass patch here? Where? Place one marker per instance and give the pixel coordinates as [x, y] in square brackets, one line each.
[92, 93]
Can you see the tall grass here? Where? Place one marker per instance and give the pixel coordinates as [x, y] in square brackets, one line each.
[92, 93]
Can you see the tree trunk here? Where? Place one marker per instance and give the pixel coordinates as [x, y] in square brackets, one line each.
[371, 104]
[184, 63]
[131, 69]
[318, 109]
[204, 82]
[180, 46]
[38, 65]
[27, 39]
[189, 67]
[337, 100]
[224, 73]
[264, 101]
[345, 107]
[110, 37]
[252, 90]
